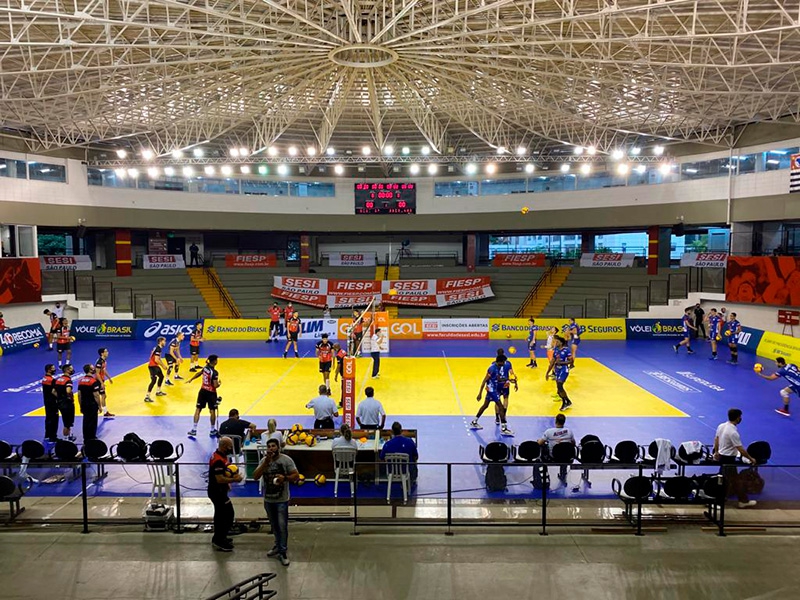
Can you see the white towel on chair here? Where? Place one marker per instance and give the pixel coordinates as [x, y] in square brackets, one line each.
[693, 447]
[663, 455]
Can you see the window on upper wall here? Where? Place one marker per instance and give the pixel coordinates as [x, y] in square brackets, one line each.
[13, 168]
[40, 171]
[779, 159]
[632, 243]
[8, 241]
[455, 188]
[26, 245]
[312, 189]
[255, 187]
[746, 163]
[501, 187]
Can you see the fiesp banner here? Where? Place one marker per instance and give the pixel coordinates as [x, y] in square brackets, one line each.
[773, 345]
[607, 259]
[518, 260]
[66, 263]
[455, 329]
[705, 260]
[352, 259]
[163, 261]
[19, 338]
[771, 280]
[250, 261]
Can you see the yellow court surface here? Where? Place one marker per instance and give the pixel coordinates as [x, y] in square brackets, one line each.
[408, 386]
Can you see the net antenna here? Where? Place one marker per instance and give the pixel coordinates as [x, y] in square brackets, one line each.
[366, 319]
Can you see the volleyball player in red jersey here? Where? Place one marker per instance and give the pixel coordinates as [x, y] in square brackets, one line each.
[292, 334]
[55, 323]
[207, 396]
[325, 356]
[274, 313]
[339, 353]
[64, 341]
[156, 365]
[50, 404]
[357, 334]
[101, 369]
[194, 346]
[66, 401]
[287, 315]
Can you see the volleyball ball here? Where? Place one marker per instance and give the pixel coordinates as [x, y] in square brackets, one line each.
[36, 345]
[508, 336]
[293, 439]
[758, 367]
[320, 479]
[363, 440]
[719, 337]
[231, 470]
[296, 427]
[728, 332]
[512, 350]
[393, 292]
[301, 437]
[310, 440]
[72, 338]
[301, 479]
[524, 210]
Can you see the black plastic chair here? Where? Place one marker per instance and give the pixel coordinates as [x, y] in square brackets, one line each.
[494, 452]
[761, 451]
[626, 452]
[33, 450]
[8, 455]
[66, 451]
[650, 455]
[635, 490]
[527, 452]
[679, 488]
[589, 438]
[163, 450]
[127, 452]
[592, 452]
[96, 452]
[12, 492]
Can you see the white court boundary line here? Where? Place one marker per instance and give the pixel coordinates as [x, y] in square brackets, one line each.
[275, 384]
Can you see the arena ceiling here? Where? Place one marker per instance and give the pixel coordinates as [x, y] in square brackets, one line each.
[459, 76]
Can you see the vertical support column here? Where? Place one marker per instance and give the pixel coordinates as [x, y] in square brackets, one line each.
[652, 249]
[305, 262]
[472, 252]
[587, 243]
[122, 243]
[349, 391]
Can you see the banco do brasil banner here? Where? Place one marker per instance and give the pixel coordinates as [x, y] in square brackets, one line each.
[343, 293]
[590, 329]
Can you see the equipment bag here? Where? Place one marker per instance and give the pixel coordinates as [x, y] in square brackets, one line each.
[140, 443]
[496, 478]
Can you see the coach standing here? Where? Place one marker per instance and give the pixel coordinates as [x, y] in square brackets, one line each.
[219, 483]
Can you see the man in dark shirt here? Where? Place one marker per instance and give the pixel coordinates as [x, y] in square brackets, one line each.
[699, 322]
[50, 404]
[66, 401]
[194, 254]
[400, 444]
[236, 426]
[89, 388]
[219, 483]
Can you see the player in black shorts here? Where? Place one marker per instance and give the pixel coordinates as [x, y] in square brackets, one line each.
[174, 358]
[207, 396]
[325, 356]
[156, 365]
[55, 324]
[66, 401]
[50, 404]
[194, 347]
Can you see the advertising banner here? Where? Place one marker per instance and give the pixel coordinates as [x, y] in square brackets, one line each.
[258, 329]
[349, 391]
[772, 345]
[65, 263]
[352, 259]
[705, 260]
[250, 261]
[150, 330]
[103, 329]
[771, 280]
[607, 259]
[163, 261]
[19, 338]
[342, 293]
[455, 329]
[405, 329]
[649, 329]
[518, 260]
[591, 329]
[20, 280]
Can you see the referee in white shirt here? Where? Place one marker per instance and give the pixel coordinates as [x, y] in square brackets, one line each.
[369, 412]
[324, 409]
[727, 446]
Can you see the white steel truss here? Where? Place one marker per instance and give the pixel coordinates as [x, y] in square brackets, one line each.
[457, 75]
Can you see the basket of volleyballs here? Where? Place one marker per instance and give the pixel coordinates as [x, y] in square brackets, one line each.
[758, 367]
[320, 479]
[231, 470]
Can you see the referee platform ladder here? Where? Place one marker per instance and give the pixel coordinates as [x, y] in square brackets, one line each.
[544, 290]
[219, 301]
[390, 272]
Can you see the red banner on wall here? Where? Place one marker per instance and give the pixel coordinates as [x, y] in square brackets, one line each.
[20, 280]
[518, 260]
[771, 280]
[338, 293]
[250, 261]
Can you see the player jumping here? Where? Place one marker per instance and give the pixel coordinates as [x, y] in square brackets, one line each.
[293, 327]
[490, 382]
[194, 346]
[532, 342]
[325, 355]
[207, 396]
[174, 358]
[688, 326]
[732, 330]
[714, 324]
[791, 374]
[560, 367]
[101, 368]
[156, 365]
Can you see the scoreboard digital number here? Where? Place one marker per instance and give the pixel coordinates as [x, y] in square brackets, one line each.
[386, 198]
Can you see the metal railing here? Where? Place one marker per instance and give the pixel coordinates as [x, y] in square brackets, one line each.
[223, 293]
[546, 277]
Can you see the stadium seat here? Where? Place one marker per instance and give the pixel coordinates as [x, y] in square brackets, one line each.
[96, 452]
[649, 455]
[127, 452]
[589, 438]
[66, 451]
[397, 469]
[344, 465]
[527, 452]
[626, 452]
[761, 451]
[11, 492]
[162, 471]
[592, 452]
[679, 488]
[494, 452]
[636, 490]
[163, 450]
[7, 455]
[32, 451]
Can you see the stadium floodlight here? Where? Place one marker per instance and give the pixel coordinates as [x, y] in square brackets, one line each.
[209, 170]
[530, 168]
[234, 152]
[521, 150]
[187, 171]
[152, 172]
[388, 150]
[226, 170]
[623, 168]
[292, 150]
[577, 150]
[617, 154]
[471, 168]
[491, 168]
[133, 173]
[414, 169]
[591, 150]
[565, 168]
[425, 150]
[147, 154]
[586, 168]
[658, 150]
[330, 151]
[338, 169]
[120, 173]
[405, 150]
[283, 170]
[311, 151]
[169, 171]
[245, 169]
[272, 151]
[177, 154]
[636, 151]
[122, 153]
[198, 152]
[366, 150]
[433, 168]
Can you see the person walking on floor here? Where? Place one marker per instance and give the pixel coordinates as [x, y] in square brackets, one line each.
[277, 471]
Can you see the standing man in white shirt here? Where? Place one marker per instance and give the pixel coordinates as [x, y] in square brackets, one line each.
[59, 310]
[324, 409]
[556, 435]
[370, 413]
[375, 351]
[727, 446]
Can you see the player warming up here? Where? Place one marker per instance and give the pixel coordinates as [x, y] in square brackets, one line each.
[194, 347]
[55, 324]
[532, 342]
[560, 367]
[274, 313]
[339, 353]
[325, 356]
[156, 367]
[174, 358]
[732, 330]
[64, 341]
[574, 333]
[101, 369]
[714, 326]
[292, 334]
[491, 384]
[688, 327]
[791, 374]
[207, 396]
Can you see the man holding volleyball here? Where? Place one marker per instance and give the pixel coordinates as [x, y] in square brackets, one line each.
[221, 475]
[792, 376]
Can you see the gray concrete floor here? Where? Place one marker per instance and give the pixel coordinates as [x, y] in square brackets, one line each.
[328, 562]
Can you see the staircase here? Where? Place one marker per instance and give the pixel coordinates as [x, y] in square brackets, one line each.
[219, 301]
[543, 291]
[391, 273]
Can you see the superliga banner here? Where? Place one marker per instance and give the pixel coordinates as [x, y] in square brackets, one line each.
[342, 293]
